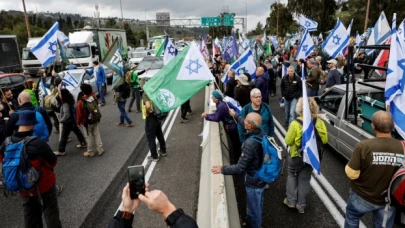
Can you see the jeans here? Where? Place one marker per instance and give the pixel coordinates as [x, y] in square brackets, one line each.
[153, 130]
[92, 134]
[312, 92]
[185, 108]
[299, 176]
[357, 207]
[33, 211]
[290, 110]
[124, 114]
[254, 198]
[135, 95]
[67, 127]
[101, 92]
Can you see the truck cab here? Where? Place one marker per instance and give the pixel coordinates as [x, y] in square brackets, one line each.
[31, 65]
[345, 131]
[82, 50]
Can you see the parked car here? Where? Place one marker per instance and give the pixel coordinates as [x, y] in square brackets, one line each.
[136, 57]
[140, 49]
[13, 81]
[154, 63]
[108, 74]
[82, 77]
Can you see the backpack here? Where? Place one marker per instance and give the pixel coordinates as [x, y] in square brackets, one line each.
[271, 168]
[128, 77]
[93, 114]
[319, 143]
[159, 114]
[17, 170]
[125, 90]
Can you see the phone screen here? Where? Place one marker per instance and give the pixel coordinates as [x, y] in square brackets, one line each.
[136, 178]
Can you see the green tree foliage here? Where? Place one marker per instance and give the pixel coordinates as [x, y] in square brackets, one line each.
[321, 11]
[131, 38]
[111, 23]
[286, 22]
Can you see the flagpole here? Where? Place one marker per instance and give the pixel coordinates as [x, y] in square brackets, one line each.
[27, 24]
[367, 12]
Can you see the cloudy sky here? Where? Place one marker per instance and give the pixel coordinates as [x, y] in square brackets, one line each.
[258, 10]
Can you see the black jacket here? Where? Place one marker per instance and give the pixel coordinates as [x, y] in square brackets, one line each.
[251, 159]
[230, 87]
[11, 127]
[13, 104]
[291, 89]
[242, 95]
[178, 217]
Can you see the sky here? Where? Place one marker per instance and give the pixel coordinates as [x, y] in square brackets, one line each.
[257, 10]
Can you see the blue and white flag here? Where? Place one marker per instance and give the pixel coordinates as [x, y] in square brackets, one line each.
[306, 46]
[401, 32]
[169, 50]
[349, 28]
[358, 39]
[223, 46]
[284, 70]
[337, 41]
[69, 81]
[395, 82]
[233, 104]
[309, 146]
[46, 49]
[63, 39]
[218, 43]
[245, 64]
[307, 23]
[275, 42]
[231, 49]
[380, 33]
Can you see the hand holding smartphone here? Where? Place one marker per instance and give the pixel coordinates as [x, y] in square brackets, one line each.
[136, 179]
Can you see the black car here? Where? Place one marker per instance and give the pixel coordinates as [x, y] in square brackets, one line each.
[13, 81]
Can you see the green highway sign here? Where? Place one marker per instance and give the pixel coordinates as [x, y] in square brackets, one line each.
[210, 21]
[228, 20]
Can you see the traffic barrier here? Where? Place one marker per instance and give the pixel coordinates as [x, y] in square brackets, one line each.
[217, 207]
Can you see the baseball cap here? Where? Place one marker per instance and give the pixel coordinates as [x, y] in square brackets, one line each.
[332, 61]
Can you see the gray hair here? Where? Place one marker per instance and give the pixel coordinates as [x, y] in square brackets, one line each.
[291, 67]
[312, 61]
[232, 71]
[254, 91]
[253, 122]
[383, 122]
[319, 58]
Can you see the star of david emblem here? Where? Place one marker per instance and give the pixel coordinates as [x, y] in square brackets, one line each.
[401, 64]
[242, 70]
[52, 47]
[307, 24]
[304, 47]
[336, 39]
[172, 50]
[399, 31]
[193, 66]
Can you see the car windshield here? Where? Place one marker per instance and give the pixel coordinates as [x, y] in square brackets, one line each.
[138, 54]
[5, 81]
[154, 64]
[27, 55]
[78, 52]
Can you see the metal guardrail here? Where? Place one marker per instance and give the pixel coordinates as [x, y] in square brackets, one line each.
[217, 207]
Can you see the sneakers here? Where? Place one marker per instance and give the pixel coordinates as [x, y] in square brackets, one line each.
[162, 153]
[69, 140]
[300, 209]
[100, 153]
[183, 120]
[150, 158]
[288, 204]
[57, 153]
[101, 104]
[190, 113]
[129, 110]
[119, 124]
[129, 125]
[81, 146]
[59, 189]
[89, 154]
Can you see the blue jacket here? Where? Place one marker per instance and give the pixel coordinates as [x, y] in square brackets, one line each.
[262, 83]
[100, 76]
[267, 120]
[222, 114]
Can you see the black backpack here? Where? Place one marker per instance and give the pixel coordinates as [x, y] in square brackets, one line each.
[319, 143]
[125, 90]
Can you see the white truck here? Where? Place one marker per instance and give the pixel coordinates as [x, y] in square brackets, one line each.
[31, 65]
[9, 54]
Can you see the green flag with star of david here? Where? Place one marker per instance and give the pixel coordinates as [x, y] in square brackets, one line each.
[179, 80]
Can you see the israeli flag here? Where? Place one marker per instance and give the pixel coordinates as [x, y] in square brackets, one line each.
[46, 49]
[394, 85]
[284, 70]
[70, 81]
[63, 39]
[169, 50]
[306, 46]
[223, 46]
[218, 43]
[349, 28]
[245, 64]
[307, 23]
[275, 42]
[233, 104]
[379, 34]
[309, 147]
[337, 41]
[401, 32]
[358, 39]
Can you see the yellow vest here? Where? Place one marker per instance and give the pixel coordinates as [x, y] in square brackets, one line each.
[144, 115]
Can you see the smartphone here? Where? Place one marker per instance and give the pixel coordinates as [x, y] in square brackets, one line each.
[136, 179]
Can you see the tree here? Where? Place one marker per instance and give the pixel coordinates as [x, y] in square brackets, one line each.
[111, 23]
[286, 23]
[130, 35]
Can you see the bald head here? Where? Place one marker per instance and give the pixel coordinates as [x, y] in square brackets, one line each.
[383, 122]
[254, 120]
[259, 71]
[23, 98]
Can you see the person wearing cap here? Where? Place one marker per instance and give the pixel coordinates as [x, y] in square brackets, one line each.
[43, 159]
[229, 123]
[135, 88]
[242, 90]
[334, 76]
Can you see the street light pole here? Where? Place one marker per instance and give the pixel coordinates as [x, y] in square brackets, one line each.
[246, 17]
[366, 20]
[26, 20]
[147, 30]
[122, 15]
